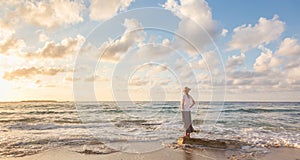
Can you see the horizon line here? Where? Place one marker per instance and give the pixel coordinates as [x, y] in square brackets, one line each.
[265, 101]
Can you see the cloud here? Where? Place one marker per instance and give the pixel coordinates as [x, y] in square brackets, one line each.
[138, 81]
[224, 32]
[150, 74]
[248, 37]
[149, 80]
[155, 50]
[196, 25]
[273, 72]
[289, 52]
[235, 61]
[9, 3]
[113, 50]
[251, 79]
[29, 72]
[184, 71]
[68, 46]
[293, 76]
[289, 47]
[266, 60]
[210, 61]
[241, 74]
[153, 69]
[43, 37]
[160, 68]
[103, 9]
[6, 31]
[162, 81]
[93, 78]
[70, 78]
[11, 45]
[49, 14]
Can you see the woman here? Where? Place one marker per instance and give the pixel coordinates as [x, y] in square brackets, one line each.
[186, 104]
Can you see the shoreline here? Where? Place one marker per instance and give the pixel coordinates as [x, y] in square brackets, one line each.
[201, 101]
[182, 153]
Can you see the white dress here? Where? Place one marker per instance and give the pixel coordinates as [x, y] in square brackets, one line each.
[186, 113]
[188, 101]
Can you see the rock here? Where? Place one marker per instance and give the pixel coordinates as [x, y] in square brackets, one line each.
[215, 143]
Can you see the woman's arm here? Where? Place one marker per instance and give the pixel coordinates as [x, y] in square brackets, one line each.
[193, 103]
[182, 103]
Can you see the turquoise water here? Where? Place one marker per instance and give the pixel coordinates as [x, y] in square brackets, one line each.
[30, 127]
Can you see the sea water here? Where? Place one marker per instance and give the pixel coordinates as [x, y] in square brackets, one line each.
[30, 127]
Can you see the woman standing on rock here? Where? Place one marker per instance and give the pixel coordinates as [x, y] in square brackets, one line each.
[186, 104]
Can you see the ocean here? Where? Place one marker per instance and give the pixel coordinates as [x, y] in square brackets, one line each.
[103, 127]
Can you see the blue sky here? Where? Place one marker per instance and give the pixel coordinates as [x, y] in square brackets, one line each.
[235, 13]
[246, 50]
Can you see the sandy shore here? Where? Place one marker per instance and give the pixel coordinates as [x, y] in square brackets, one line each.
[165, 154]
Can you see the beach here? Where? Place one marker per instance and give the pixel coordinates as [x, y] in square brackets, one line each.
[165, 154]
[106, 130]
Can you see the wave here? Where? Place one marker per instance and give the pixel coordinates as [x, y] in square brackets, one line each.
[50, 112]
[48, 121]
[50, 126]
[128, 123]
[28, 119]
[260, 110]
[25, 147]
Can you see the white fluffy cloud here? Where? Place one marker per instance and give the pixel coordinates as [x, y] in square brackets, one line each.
[196, 25]
[8, 42]
[293, 76]
[224, 32]
[265, 31]
[235, 61]
[49, 14]
[153, 51]
[6, 31]
[153, 69]
[266, 60]
[68, 46]
[103, 9]
[289, 51]
[11, 45]
[277, 71]
[288, 47]
[133, 35]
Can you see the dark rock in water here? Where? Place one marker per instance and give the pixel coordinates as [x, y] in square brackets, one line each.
[151, 124]
[215, 143]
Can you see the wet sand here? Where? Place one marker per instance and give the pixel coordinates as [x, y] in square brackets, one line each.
[166, 154]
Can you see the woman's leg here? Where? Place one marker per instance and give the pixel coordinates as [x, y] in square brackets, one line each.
[192, 128]
[186, 117]
[188, 131]
[188, 135]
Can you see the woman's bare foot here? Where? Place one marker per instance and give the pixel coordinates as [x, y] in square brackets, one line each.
[188, 135]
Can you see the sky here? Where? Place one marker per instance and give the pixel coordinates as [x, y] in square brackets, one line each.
[142, 50]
